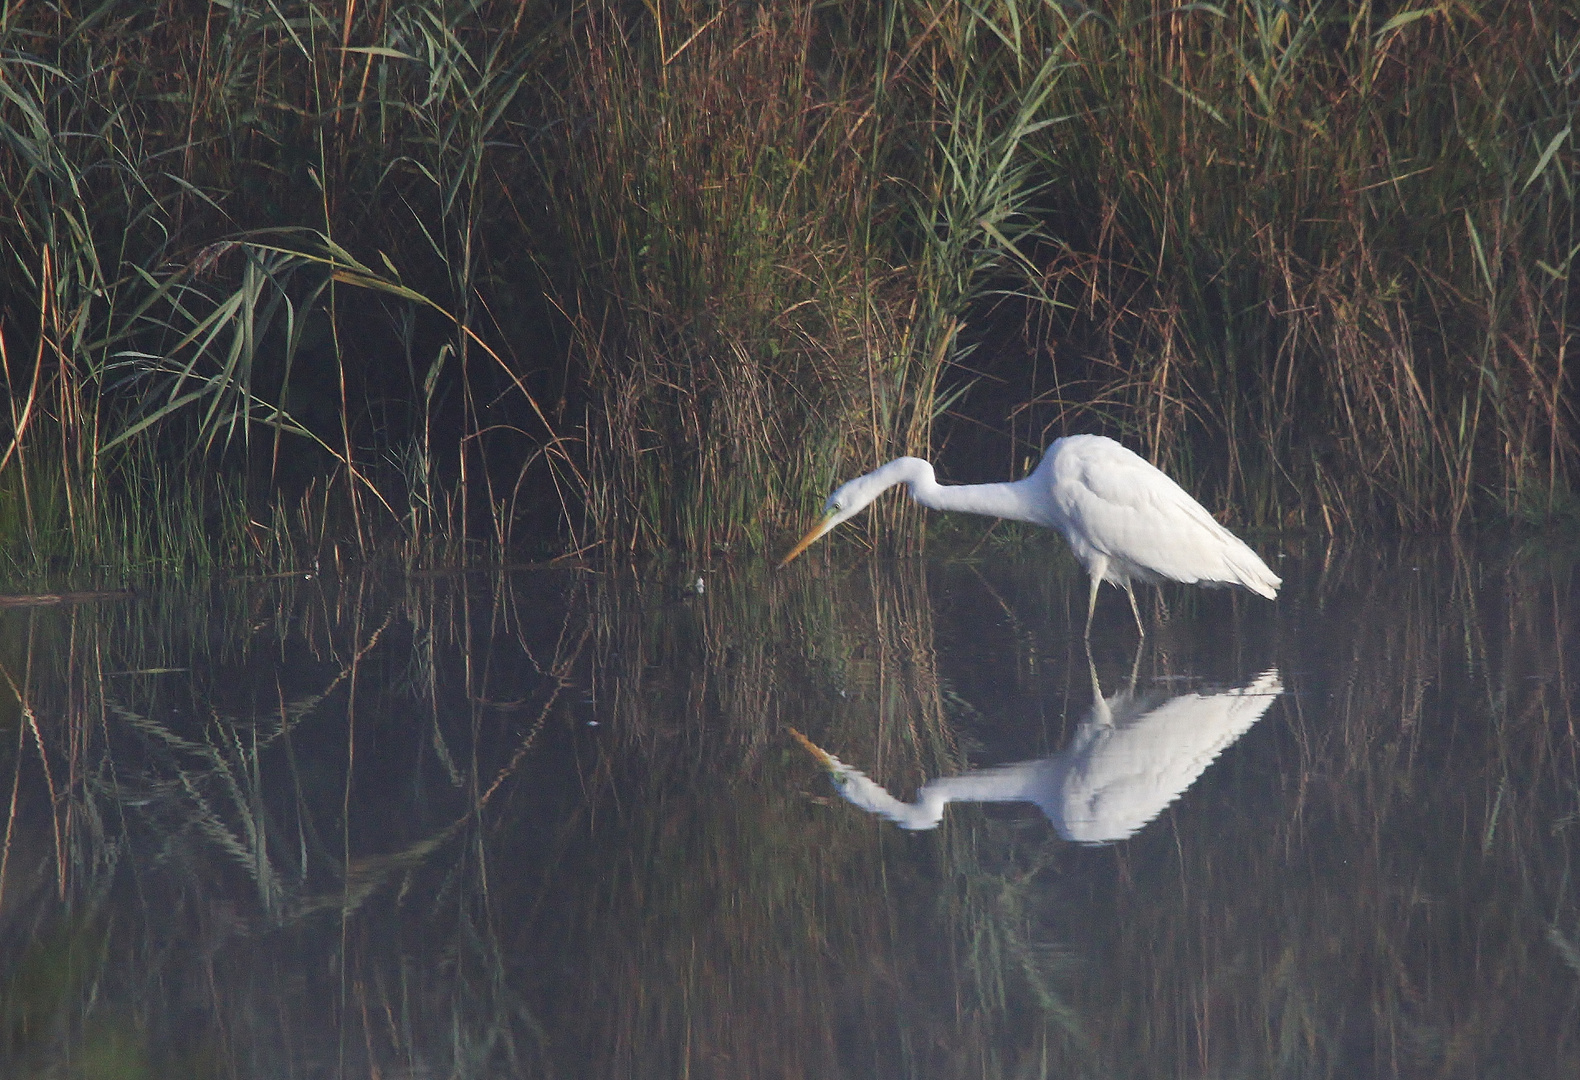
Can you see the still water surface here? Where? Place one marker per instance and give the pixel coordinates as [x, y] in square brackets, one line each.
[555, 823]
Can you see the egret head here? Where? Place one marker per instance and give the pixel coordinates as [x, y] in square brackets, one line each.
[847, 501]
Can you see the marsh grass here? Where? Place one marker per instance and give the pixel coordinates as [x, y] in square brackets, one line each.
[733, 323]
[627, 278]
[181, 299]
[1326, 251]
[777, 221]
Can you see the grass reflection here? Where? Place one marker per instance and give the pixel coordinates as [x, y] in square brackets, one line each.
[552, 823]
[1374, 892]
[777, 939]
[281, 835]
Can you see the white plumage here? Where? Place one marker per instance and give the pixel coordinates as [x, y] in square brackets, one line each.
[1124, 519]
[1128, 761]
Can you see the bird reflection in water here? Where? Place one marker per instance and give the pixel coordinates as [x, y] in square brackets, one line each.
[1130, 759]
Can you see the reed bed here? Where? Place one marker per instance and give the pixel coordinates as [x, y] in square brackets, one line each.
[1330, 248]
[461, 279]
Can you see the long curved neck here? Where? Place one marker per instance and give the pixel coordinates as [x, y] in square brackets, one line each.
[1005, 500]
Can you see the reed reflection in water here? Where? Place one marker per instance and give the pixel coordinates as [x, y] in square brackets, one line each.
[553, 823]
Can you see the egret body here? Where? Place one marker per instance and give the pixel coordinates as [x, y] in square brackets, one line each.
[1124, 519]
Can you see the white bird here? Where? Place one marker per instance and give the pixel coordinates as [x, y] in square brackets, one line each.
[1124, 519]
[1128, 761]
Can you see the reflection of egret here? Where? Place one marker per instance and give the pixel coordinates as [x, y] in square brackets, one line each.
[1124, 519]
[1127, 761]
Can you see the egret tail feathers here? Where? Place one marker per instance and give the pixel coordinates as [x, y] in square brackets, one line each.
[1253, 573]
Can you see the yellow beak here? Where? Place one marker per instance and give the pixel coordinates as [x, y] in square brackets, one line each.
[823, 757]
[806, 541]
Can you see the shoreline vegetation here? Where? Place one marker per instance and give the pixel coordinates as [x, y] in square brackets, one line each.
[294, 283]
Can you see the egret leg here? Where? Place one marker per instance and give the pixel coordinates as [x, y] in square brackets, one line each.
[1135, 610]
[1091, 603]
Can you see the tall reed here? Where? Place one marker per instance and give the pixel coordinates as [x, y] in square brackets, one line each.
[774, 221]
[1328, 247]
[181, 284]
[654, 277]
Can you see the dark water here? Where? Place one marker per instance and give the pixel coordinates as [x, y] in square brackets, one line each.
[554, 823]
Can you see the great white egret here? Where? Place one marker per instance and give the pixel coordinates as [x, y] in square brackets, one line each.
[1124, 519]
[1129, 760]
